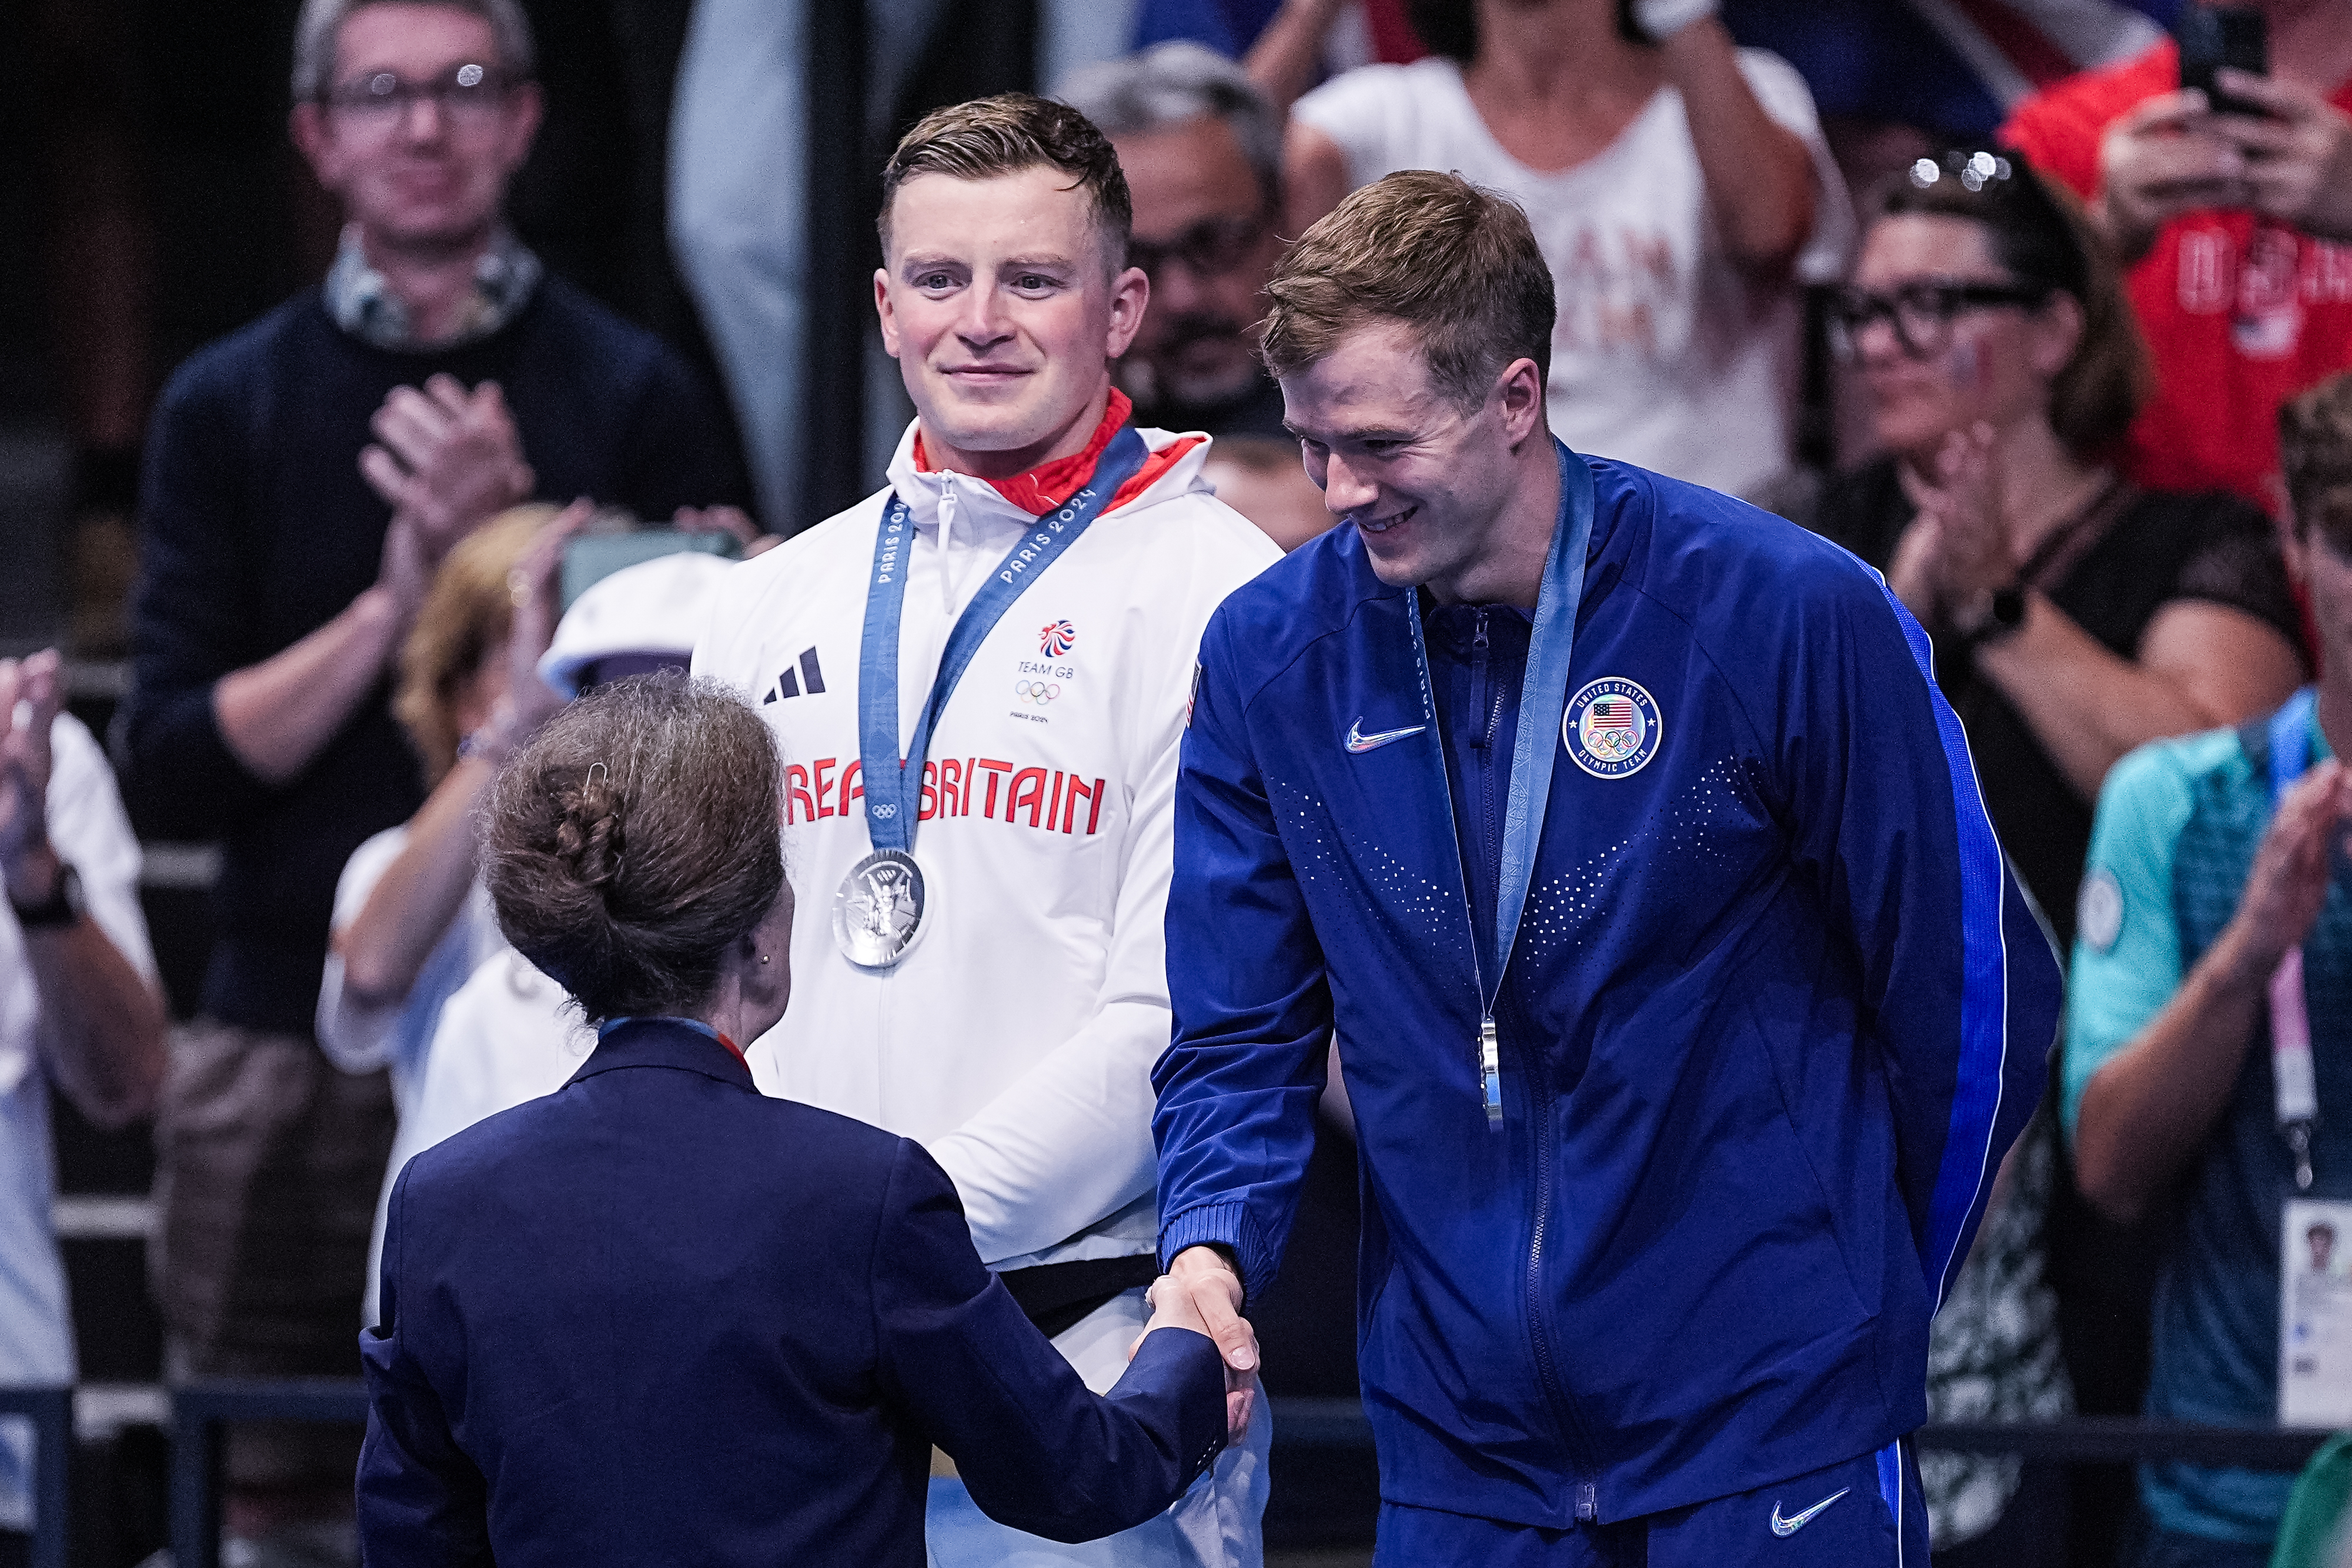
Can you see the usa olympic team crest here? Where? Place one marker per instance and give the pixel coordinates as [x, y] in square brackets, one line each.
[1610, 727]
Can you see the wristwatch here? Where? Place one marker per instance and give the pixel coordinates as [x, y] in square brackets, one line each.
[1993, 617]
[63, 908]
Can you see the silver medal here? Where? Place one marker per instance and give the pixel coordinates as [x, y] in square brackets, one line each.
[879, 911]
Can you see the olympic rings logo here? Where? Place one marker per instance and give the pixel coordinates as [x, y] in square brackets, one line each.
[1037, 692]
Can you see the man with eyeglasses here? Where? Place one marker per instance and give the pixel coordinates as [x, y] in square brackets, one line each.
[1202, 149]
[305, 476]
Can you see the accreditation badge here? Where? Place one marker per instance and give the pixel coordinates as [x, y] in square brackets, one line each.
[877, 912]
[2315, 1315]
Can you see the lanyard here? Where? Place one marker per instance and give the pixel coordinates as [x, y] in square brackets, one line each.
[2293, 1076]
[893, 786]
[1543, 698]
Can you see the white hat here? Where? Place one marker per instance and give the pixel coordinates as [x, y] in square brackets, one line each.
[654, 607]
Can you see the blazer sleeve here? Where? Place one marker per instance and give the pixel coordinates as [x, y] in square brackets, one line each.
[1037, 1449]
[1237, 1087]
[1959, 982]
[422, 1503]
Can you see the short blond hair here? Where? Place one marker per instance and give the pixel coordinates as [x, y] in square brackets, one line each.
[1454, 262]
[990, 137]
[466, 617]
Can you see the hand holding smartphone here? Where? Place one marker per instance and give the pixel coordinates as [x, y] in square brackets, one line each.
[2212, 36]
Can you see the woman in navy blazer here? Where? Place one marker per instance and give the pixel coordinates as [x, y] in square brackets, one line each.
[657, 1317]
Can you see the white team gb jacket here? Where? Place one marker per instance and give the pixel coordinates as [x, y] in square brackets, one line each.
[1015, 1038]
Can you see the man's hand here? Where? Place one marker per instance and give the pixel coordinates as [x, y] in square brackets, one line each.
[2289, 882]
[449, 459]
[2169, 155]
[30, 694]
[2298, 160]
[1198, 1303]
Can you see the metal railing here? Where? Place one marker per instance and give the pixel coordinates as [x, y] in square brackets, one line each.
[200, 1412]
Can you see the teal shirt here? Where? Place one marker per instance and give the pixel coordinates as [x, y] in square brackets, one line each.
[2174, 842]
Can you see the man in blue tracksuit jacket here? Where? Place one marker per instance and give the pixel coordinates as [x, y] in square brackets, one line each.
[1647, 1271]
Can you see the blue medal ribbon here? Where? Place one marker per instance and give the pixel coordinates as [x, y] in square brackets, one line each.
[893, 786]
[1543, 698]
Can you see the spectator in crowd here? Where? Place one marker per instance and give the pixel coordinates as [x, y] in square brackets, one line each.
[1201, 150]
[483, 664]
[1039, 817]
[2232, 225]
[749, 1319]
[2077, 615]
[78, 1010]
[286, 553]
[2215, 886]
[1681, 194]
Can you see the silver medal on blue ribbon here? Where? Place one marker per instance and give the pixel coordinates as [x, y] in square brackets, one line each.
[877, 912]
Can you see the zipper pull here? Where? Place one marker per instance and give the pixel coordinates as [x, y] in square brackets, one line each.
[1479, 635]
[1490, 1073]
[1587, 1507]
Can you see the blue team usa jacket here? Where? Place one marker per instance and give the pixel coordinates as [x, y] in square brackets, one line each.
[1774, 1013]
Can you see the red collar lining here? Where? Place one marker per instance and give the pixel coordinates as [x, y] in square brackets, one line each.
[1041, 489]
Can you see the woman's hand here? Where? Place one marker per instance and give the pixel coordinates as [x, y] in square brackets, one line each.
[1965, 497]
[534, 590]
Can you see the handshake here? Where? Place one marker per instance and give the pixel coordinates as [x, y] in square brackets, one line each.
[1203, 1292]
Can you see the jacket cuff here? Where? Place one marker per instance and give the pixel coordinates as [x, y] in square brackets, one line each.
[1229, 1225]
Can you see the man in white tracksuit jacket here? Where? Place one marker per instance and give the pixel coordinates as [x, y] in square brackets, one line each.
[1015, 1038]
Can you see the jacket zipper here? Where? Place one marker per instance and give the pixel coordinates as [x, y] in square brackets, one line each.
[1546, 1367]
[1586, 1503]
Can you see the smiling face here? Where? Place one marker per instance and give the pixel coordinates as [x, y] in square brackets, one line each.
[1004, 313]
[1427, 483]
[427, 177]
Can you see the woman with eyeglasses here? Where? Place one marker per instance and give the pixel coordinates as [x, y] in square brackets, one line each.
[2076, 617]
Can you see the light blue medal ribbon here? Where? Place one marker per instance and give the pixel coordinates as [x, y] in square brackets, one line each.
[2294, 1082]
[1543, 698]
[879, 908]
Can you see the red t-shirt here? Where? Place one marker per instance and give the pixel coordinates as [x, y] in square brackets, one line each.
[2241, 312]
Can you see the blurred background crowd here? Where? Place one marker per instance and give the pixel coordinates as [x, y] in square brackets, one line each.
[1970, 287]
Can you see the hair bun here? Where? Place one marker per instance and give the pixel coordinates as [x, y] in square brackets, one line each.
[588, 836]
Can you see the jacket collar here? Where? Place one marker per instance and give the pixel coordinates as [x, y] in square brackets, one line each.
[1047, 485]
[1173, 469]
[664, 1042]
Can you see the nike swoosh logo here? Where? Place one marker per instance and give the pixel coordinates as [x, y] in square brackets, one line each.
[1358, 741]
[1791, 1526]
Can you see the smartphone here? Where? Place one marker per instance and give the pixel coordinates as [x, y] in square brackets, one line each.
[590, 559]
[2211, 36]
